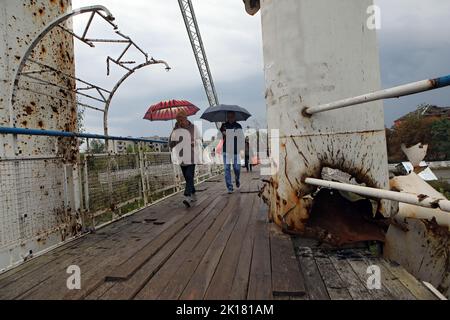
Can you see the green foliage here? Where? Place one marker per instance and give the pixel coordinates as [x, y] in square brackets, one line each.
[130, 149]
[442, 186]
[418, 129]
[97, 146]
[440, 135]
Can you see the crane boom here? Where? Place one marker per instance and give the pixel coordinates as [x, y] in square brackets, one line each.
[187, 10]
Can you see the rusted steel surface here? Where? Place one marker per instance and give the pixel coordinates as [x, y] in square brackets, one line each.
[311, 70]
[39, 207]
[23, 21]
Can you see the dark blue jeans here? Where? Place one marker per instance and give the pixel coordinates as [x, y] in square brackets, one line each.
[188, 174]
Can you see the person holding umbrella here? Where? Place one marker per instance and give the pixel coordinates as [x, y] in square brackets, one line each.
[187, 151]
[185, 141]
[233, 137]
[231, 149]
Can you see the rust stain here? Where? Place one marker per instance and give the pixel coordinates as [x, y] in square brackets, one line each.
[29, 110]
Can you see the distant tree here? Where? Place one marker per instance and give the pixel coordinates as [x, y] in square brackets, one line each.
[130, 148]
[418, 129]
[97, 146]
[80, 119]
[80, 122]
[440, 137]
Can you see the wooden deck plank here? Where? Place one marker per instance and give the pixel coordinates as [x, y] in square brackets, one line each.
[154, 238]
[260, 282]
[241, 278]
[337, 289]
[359, 264]
[418, 289]
[200, 280]
[95, 264]
[355, 286]
[314, 284]
[130, 266]
[390, 281]
[287, 279]
[178, 282]
[72, 248]
[159, 281]
[151, 278]
[221, 283]
[37, 280]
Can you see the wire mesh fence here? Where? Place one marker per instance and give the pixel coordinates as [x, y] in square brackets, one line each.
[33, 200]
[51, 199]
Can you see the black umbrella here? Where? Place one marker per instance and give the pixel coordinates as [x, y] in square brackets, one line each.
[219, 113]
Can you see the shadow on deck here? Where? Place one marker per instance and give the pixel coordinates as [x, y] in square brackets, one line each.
[222, 248]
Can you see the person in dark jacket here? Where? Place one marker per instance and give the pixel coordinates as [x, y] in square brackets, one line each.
[233, 140]
[186, 153]
[248, 164]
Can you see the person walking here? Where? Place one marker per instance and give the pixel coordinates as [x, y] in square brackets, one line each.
[185, 151]
[233, 139]
[248, 164]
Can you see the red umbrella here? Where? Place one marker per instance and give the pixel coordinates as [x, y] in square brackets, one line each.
[168, 110]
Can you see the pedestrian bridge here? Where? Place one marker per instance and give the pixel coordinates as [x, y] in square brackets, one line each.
[222, 248]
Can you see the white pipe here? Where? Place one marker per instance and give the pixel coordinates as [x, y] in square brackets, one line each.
[395, 92]
[414, 199]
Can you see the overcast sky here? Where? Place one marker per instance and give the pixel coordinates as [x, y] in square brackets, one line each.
[414, 45]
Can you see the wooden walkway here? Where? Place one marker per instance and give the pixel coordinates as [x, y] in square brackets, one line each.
[223, 248]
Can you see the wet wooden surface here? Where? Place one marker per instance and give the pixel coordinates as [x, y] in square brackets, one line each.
[222, 248]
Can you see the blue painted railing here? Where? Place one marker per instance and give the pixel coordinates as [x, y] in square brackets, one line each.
[55, 133]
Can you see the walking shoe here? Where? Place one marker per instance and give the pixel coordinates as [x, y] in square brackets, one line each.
[194, 198]
[187, 202]
[230, 191]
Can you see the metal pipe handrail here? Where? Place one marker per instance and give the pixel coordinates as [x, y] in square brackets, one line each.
[410, 198]
[55, 133]
[395, 92]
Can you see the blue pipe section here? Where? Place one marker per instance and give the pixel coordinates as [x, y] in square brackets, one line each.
[54, 133]
[442, 82]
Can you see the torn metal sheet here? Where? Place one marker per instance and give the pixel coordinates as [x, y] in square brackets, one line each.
[414, 184]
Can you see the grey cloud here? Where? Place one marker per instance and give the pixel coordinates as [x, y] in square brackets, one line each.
[413, 41]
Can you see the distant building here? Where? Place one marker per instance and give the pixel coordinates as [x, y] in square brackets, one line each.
[157, 146]
[427, 111]
[121, 147]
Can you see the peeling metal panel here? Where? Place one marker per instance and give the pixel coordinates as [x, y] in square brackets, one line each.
[328, 54]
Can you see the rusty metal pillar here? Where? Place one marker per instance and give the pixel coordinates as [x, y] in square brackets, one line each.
[47, 180]
[319, 51]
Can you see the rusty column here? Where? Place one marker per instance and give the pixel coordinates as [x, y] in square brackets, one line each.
[44, 195]
[21, 23]
[315, 52]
